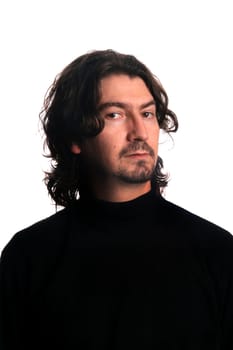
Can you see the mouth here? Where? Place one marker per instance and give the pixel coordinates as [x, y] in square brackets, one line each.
[137, 150]
[138, 155]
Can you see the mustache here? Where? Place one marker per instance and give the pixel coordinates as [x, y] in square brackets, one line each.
[137, 146]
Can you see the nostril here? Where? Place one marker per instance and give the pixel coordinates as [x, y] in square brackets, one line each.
[137, 136]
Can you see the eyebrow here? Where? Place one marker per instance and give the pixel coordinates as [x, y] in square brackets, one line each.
[105, 105]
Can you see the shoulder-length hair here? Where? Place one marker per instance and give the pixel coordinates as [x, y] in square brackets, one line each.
[70, 115]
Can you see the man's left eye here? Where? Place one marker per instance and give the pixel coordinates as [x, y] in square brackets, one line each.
[148, 114]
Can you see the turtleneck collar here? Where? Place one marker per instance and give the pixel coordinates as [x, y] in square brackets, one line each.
[134, 207]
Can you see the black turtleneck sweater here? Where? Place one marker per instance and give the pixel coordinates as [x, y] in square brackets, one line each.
[143, 274]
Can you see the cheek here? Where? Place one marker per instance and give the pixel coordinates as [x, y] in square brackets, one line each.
[110, 152]
[109, 143]
[106, 149]
[153, 137]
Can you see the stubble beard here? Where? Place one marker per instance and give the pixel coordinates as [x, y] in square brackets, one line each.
[141, 173]
[143, 170]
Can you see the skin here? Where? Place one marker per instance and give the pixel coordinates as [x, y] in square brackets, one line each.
[122, 157]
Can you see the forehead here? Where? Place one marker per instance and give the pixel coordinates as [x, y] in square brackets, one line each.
[123, 87]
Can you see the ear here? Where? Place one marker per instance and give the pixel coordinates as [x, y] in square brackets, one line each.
[75, 148]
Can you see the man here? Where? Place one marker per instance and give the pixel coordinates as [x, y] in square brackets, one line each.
[119, 267]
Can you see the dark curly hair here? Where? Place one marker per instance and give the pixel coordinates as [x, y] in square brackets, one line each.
[70, 115]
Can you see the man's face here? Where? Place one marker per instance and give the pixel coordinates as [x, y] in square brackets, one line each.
[125, 151]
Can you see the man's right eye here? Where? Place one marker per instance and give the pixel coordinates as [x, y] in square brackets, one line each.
[113, 115]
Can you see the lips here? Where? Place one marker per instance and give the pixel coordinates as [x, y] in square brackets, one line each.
[137, 154]
[137, 149]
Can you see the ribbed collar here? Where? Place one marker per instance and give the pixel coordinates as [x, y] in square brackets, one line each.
[135, 207]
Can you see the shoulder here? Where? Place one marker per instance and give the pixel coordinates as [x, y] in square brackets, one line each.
[42, 234]
[206, 243]
[33, 253]
[198, 226]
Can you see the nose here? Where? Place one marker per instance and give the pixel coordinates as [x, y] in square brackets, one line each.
[137, 130]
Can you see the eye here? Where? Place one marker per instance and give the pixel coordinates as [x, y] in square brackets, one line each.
[148, 114]
[113, 115]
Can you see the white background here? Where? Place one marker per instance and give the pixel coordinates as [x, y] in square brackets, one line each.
[187, 44]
